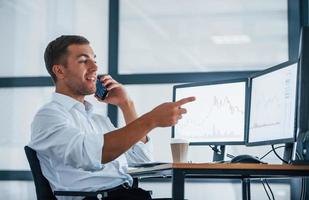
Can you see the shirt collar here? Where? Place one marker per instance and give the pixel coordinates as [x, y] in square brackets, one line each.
[88, 106]
[68, 102]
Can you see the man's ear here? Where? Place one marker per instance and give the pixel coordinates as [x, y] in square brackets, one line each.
[58, 71]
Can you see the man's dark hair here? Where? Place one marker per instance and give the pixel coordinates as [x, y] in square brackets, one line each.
[56, 51]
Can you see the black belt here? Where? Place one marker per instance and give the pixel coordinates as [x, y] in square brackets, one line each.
[123, 186]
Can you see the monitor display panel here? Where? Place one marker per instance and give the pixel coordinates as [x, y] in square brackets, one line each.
[273, 105]
[217, 116]
[303, 87]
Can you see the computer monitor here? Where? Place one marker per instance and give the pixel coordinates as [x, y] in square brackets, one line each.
[273, 105]
[217, 116]
[303, 99]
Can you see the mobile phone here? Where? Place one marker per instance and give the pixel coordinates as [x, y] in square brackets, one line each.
[101, 90]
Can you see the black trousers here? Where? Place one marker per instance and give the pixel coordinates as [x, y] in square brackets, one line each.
[124, 193]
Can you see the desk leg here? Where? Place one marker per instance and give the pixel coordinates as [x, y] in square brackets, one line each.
[178, 185]
[246, 189]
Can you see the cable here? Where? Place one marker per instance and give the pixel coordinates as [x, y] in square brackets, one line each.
[304, 188]
[271, 192]
[303, 183]
[301, 191]
[230, 155]
[278, 147]
[274, 150]
[303, 180]
[265, 189]
[218, 151]
[299, 155]
[215, 150]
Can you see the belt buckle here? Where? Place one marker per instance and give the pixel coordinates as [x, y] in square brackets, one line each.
[126, 186]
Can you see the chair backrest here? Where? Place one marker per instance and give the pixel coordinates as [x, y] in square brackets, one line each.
[42, 187]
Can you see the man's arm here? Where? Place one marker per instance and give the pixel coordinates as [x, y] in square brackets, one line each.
[119, 141]
[129, 114]
[119, 97]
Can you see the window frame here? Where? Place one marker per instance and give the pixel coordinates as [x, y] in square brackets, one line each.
[297, 16]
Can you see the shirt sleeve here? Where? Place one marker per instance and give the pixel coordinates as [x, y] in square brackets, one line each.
[55, 136]
[140, 152]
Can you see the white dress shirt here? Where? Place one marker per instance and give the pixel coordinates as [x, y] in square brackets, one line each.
[68, 138]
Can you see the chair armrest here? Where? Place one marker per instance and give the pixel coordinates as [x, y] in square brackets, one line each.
[99, 195]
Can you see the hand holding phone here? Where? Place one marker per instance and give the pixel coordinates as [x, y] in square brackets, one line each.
[101, 90]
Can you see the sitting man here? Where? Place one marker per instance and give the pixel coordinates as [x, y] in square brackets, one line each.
[82, 151]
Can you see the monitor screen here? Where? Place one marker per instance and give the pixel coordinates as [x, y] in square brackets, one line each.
[217, 116]
[303, 88]
[273, 109]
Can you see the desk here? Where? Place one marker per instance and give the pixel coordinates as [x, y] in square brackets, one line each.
[179, 171]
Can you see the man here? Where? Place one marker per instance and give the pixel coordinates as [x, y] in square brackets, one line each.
[80, 150]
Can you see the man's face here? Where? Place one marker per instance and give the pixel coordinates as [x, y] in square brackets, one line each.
[80, 70]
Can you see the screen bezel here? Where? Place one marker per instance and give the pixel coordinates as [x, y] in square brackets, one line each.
[264, 72]
[217, 82]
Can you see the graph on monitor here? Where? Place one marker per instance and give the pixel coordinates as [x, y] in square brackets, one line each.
[217, 115]
[273, 105]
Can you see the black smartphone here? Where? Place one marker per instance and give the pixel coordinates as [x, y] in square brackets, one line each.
[101, 90]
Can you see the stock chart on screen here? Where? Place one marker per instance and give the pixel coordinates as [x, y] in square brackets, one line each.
[217, 115]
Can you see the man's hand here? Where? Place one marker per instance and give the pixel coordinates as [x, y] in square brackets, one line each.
[117, 95]
[168, 114]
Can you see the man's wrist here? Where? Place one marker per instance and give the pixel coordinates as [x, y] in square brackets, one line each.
[148, 120]
[127, 104]
[144, 139]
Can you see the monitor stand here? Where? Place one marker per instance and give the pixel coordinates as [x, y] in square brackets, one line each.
[302, 147]
[288, 152]
[219, 152]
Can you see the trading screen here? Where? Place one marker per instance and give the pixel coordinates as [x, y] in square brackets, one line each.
[273, 105]
[217, 115]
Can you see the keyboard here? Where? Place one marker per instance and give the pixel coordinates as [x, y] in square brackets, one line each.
[149, 164]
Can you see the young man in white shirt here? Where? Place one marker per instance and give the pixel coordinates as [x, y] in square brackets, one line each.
[80, 150]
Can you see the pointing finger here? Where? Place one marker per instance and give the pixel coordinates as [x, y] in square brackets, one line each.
[184, 101]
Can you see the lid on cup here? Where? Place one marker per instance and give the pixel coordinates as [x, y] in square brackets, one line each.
[178, 140]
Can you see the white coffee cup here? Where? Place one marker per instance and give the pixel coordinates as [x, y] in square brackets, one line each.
[179, 149]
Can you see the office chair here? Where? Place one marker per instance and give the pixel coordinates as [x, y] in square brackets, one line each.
[42, 187]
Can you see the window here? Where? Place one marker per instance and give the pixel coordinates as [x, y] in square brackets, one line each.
[28, 26]
[176, 36]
